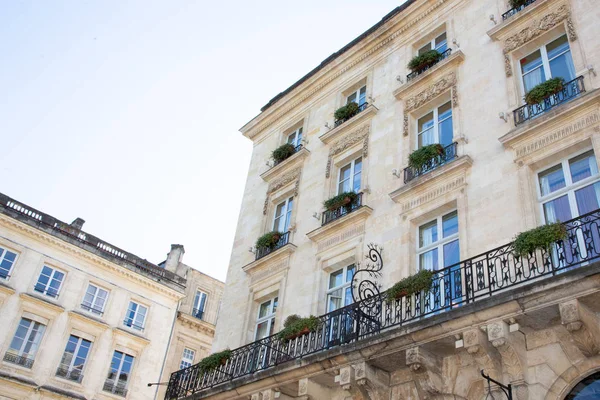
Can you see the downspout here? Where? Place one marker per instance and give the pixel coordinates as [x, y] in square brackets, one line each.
[167, 349]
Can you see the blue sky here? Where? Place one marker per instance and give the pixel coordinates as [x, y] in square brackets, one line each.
[126, 113]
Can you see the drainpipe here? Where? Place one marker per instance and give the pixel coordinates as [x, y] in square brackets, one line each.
[167, 350]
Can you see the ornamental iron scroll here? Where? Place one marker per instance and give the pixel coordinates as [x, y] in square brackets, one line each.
[365, 288]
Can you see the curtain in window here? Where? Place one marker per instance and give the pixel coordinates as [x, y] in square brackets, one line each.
[428, 259]
[533, 78]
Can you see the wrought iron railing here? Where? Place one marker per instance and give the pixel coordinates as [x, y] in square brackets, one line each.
[19, 360]
[450, 153]
[131, 324]
[74, 375]
[331, 215]
[198, 313]
[263, 251]
[113, 387]
[515, 10]
[296, 149]
[570, 90]
[445, 54]
[361, 108]
[483, 276]
[92, 309]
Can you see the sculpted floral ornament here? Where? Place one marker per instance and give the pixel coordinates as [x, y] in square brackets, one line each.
[359, 135]
[293, 175]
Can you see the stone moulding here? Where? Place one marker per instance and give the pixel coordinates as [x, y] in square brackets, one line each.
[359, 135]
[285, 165]
[291, 176]
[358, 120]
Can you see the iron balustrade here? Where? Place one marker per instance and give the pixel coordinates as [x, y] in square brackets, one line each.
[450, 153]
[19, 360]
[92, 309]
[263, 251]
[515, 10]
[361, 108]
[296, 149]
[570, 90]
[331, 215]
[471, 280]
[198, 313]
[445, 54]
[115, 388]
[129, 323]
[74, 375]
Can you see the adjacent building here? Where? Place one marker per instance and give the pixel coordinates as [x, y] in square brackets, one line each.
[439, 166]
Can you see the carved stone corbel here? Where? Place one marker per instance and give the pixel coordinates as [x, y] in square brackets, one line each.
[371, 383]
[583, 325]
[485, 355]
[426, 371]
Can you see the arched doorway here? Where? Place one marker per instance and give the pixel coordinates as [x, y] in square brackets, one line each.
[587, 389]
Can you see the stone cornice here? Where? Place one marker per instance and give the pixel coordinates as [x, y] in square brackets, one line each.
[286, 165]
[354, 218]
[38, 234]
[196, 324]
[36, 302]
[337, 132]
[6, 290]
[130, 339]
[277, 255]
[518, 21]
[89, 320]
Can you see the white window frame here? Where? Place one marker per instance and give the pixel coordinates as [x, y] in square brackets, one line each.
[343, 286]
[92, 308]
[52, 275]
[436, 122]
[198, 301]
[120, 370]
[3, 253]
[187, 358]
[287, 215]
[132, 320]
[352, 165]
[270, 317]
[432, 43]
[357, 93]
[439, 244]
[36, 342]
[295, 137]
[70, 367]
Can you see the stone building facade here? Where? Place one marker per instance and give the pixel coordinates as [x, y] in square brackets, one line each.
[527, 319]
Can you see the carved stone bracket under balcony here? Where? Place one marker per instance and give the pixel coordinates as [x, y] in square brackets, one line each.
[289, 164]
[485, 356]
[335, 133]
[364, 382]
[425, 369]
[584, 326]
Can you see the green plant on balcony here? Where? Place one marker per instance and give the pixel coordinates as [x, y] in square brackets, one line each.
[422, 280]
[268, 240]
[427, 59]
[517, 3]
[283, 152]
[541, 238]
[214, 361]
[545, 89]
[346, 112]
[345, 199]
[420, 157]
[295, 326]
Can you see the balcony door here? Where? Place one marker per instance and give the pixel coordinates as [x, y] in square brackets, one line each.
[552, 60]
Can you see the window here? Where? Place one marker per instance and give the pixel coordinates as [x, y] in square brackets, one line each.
[350, 176]
[94, 299]
[359, 97]
[199, 304]
[438, 243]
[118, 376]
[439, 43]
[436, 126]
[283, 215]
[295, 138]
[25, 343]
[552, 60]
[265, 324]
[136, 316]
[7, 260]
[339, 289]
[570, 188]
[187, 359]
[49, 281]
[74, 358]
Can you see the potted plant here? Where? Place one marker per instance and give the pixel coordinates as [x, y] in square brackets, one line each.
[541, 237]
[214, 361]
[283, 152]
[346, 112]
[422, 61]
[268, 240]
[517, 3]
[296, 326]
[422, 156]
[545, 89]
[345, 199]
[422, 280]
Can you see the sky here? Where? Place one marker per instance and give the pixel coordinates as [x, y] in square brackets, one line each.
[127, 113]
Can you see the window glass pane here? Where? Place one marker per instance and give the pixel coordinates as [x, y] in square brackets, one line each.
[348, 296]
[275, 303]
[557, 47]
[583, 166]
[425, 129]
[7, 259]
[349, 273]
[451, 254]
[441, 43]
[533, 73]
[336, 278]
[557, 210]
[562, 67]
[425, 48]
[262, 330]
[551, 180]
[19, 338]
[445, 126]
[428, 234]
[334, 300]
[351, 98]
[450, 224]
[587, 198]
[357, 174]
[429, 260]
[265, 309]
[531, 62]
[362, 96]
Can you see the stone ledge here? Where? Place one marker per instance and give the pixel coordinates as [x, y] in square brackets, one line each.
[355, 121]
[513, 23]
[195, 323]
[285, 165]
[359, 215]
[35, 300]
[282, 252]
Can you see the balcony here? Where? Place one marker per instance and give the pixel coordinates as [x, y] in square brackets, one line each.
[114, 387]
[265, 251]
[74, 375]
[296, 149]
[361, 108]
[414, 74]
[515, 10]
[19, 360]
[198, 313]
[450, 153]
[332, 215]
[494, 273]
[570, 91]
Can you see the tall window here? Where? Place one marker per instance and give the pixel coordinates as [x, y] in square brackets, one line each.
[25, 343]
[199, 304]
[187, 358]
[339, 289]
[436, 126]
[295, 138]
[49, 281]
[552, 60]
[359, 97]
[74, 358]
[265, 323]
[118, 376]
[94, 299]
[438, 243]
[350, 176]
[136, 316]
[7, 260]
[570, 188]
[283, 215]
[439, 43]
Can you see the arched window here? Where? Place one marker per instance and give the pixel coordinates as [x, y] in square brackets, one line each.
[587, 389]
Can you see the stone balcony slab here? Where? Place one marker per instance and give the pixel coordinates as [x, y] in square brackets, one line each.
[290, 163]
[335, 133]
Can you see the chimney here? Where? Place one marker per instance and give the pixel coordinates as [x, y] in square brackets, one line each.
[174, 257]
[78, 223]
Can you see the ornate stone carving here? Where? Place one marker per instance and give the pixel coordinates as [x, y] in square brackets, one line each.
[303, 387]
[583, 326]
[454, 96]
[281, 182]
[433, 194]
[535, 29]
[425, 369]
[440, 86]
[359, 135]
[405, 124]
